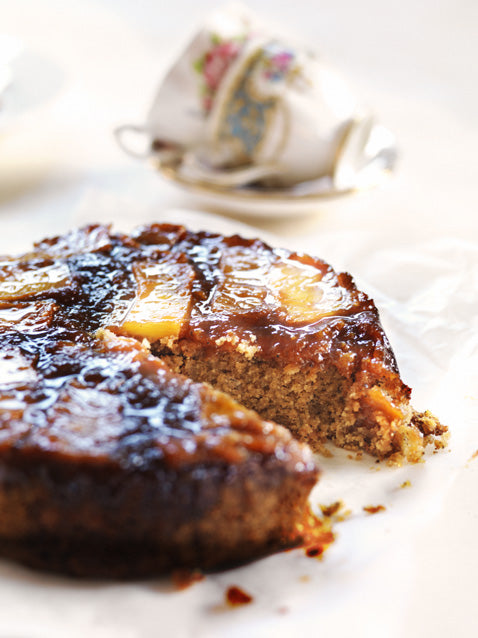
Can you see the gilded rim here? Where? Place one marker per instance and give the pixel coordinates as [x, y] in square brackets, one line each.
[286, 195]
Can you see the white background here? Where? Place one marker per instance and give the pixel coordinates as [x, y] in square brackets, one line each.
[90, 66]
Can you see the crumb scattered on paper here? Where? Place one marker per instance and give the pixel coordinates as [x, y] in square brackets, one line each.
[237, 596]
[374, 509]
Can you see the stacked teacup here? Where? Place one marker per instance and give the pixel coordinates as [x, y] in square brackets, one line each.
[244, 105]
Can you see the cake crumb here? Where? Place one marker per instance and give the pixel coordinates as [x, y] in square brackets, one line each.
[236, 596]
[169, 341]
[316, 533]
[323, 450]
[405, 484]
[245, 347]
[374, 509]
[330, 510]
[335, 511]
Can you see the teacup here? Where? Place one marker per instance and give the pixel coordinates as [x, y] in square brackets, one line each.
[241, 104]
[180, 110]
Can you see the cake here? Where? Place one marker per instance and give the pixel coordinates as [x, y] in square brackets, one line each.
[143, 377]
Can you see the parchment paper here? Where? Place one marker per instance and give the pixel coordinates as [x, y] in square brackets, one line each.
[426, 293]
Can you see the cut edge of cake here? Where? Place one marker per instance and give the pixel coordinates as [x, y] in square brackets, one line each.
[315, 406]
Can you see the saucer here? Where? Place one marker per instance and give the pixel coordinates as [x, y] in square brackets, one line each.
[254, 199]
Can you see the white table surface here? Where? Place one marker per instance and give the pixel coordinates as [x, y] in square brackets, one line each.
[96, 65]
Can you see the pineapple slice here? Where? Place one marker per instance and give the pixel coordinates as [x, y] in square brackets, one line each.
[244, 286]
[162, 302]
[27, 318]
[20, 280]
[299, 292]
[304, 294]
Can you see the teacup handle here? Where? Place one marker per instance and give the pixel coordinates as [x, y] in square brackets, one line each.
[136, 141]
[128, 132]
[193, 169]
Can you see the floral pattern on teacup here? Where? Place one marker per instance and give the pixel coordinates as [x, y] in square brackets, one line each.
[213, 65]
[255, 106]
[277, 62]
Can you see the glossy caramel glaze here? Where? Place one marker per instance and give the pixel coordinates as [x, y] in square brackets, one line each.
[347, 335]
[67, 382]
[346, 332]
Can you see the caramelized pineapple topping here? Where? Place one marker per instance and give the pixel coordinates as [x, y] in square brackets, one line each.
[20, 280]
[162, 302]
[299, 292]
